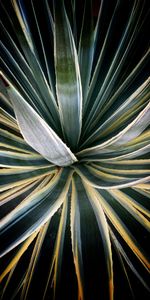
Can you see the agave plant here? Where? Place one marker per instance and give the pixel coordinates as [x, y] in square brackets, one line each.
[74, 149]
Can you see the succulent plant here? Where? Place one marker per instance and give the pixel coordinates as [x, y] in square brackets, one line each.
[74, 149]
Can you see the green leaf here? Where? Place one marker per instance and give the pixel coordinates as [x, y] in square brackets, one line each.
[10, 178]
[124, 46]
[34, 259]
[74, 91]
[125, 111]
[126, 226]
[34, 211]
[89, 231]
[86, 48]
[20, 74]
[135, 167]
[59, 249]
[68, 82]
[122, 253]
[38, 134]
[47, 98]
[20, 160]
[19, 253]
[103, 180]
[13, 141]
[131, 131]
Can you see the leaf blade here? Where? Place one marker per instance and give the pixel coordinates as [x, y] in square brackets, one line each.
[38, 134]
[85, 210]
[67, 75]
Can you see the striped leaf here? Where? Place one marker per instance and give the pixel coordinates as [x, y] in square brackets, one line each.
[38, 134]
[74, 149]
[68, 82]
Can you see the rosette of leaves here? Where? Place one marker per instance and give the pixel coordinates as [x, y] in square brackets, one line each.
[74, 149]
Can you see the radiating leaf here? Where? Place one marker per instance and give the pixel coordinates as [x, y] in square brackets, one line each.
[38, 134]
[74, 149]
[86, 48]
[34, 211]
[68, 82]
[85, 226]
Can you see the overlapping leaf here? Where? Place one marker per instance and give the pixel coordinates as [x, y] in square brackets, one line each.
[74, 86]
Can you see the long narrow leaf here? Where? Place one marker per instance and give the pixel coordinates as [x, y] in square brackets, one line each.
[68, 82]
[38, 134]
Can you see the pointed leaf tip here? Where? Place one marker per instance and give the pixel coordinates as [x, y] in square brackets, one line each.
[38, 134]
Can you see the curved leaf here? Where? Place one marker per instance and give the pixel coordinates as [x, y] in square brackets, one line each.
[38, 134]
[87, 222]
